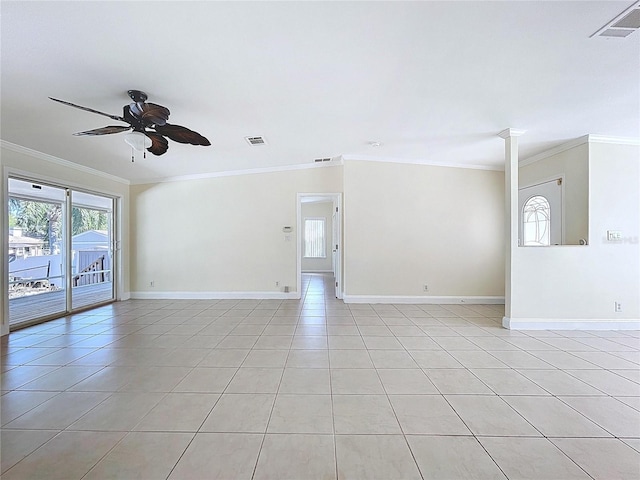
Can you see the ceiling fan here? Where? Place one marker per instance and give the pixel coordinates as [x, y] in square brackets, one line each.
[148, 125]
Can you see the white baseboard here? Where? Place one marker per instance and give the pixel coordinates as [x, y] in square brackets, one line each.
[421, 299]
[569, 324]
[214, 295]
[125, 296]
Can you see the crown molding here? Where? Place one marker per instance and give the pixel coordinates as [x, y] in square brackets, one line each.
[234, 173]
[511, 132]
[61, 162]
[613, 140]
[590, 138]
[563, 147]
[367, 158]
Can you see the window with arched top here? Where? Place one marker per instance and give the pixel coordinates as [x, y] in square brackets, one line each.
[536, 222]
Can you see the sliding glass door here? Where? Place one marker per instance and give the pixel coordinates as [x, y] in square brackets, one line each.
[37, 253]
[59, 250]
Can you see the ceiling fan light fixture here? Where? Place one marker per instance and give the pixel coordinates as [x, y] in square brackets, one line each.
[138, 140]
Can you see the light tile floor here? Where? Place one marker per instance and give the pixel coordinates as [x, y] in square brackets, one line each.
[316, 389]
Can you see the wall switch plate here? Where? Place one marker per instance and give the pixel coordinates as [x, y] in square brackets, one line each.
[614, 235]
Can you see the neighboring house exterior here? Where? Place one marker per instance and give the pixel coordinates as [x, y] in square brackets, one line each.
[21, 246]
[91, 240]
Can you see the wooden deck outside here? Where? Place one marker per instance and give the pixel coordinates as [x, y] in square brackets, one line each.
[28, 308]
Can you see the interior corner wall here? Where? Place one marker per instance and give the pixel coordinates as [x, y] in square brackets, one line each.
[561, 286]
[573, 164]
[410, 225]
[222, 235]
[46, 170]
[319, 210]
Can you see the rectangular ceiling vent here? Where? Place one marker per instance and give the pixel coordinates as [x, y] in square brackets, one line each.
[623, 25]
[255, 141]
[319, 160]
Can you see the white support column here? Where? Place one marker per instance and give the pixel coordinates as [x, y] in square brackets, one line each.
[510, 136]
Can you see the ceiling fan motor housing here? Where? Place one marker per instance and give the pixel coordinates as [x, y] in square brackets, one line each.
[137, 95]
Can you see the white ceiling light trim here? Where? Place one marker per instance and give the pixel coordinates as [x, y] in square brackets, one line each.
[623, 25]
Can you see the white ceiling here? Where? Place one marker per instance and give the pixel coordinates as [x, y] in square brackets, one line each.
[434, 82]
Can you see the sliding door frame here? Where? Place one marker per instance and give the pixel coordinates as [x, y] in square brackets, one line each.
[115, 243]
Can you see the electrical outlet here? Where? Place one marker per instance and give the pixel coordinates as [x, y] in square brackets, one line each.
[618, 307]
[277, 284]
[425, 288]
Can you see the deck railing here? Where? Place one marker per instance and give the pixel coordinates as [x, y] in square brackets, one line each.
[19, 285]
[93, 273]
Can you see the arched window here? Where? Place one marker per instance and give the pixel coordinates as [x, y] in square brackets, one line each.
[536, 222]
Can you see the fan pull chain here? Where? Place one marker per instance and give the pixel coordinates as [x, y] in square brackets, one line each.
[132, 157]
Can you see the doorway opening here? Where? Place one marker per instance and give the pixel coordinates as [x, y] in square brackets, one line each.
[319, 227]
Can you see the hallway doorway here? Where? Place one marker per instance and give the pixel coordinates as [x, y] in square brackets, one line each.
[319, 228]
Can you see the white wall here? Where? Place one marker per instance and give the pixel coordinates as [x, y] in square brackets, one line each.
[16, 160]
[319, 210]
[220, 235]
[410, 225]
[577, 286]
[573, 164]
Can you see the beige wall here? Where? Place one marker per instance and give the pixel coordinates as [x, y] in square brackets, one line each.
[404, 226]
[220, 235]
[410, 225]
[583, 283]
[573, 164]
[319, 210]
[40, 167]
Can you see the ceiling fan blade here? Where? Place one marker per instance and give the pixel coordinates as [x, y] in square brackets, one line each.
[181, 134]
[159, 144]
[149, 113]
[104, 130]
[114, 117]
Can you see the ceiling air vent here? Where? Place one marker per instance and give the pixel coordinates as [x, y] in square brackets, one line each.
[256, 140]
[623, 25]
